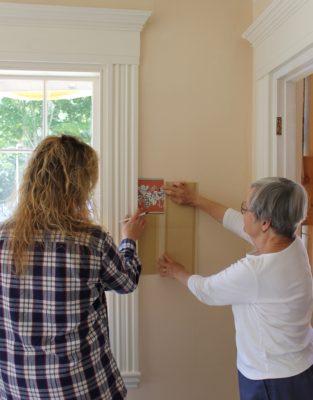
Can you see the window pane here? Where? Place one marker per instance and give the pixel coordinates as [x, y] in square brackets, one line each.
[11, 171]
[70, 108]
[31, 109]
[20, 113]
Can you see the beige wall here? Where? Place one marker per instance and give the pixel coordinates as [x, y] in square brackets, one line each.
[259, 6]
[195, 124]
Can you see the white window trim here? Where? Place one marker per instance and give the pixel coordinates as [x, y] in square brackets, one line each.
[282, 37]
[105, 41]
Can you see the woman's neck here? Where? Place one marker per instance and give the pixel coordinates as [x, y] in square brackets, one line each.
[271, 243]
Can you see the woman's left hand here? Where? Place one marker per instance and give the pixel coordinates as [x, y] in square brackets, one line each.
[169, 268]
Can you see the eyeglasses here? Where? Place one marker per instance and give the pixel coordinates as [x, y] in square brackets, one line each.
[243, 207]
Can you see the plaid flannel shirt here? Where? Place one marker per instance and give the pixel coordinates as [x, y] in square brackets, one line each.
[54, 339]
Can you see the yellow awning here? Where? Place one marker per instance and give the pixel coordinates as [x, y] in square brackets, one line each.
[51, 95]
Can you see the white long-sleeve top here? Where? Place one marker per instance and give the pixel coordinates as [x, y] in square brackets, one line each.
[272, 302]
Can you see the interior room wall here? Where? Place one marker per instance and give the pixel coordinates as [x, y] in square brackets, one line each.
[259, 6]
[195, 125]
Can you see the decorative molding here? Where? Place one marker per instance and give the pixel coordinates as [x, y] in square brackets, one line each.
[271, 19]
[72, 35]
[72, 17]
[282, 37]
[131, 380]
[69, 60]
[119, 193]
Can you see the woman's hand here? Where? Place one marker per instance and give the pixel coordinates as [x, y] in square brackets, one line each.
[133, 226]
[181, 194]
[169, 268]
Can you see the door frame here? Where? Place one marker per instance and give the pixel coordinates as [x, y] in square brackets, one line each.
[282, 37]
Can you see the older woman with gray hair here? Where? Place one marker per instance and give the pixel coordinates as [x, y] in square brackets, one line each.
[270, 289]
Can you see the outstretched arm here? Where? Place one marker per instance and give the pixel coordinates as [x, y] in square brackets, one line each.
[236, 284]
[181, 194]
[169, 268]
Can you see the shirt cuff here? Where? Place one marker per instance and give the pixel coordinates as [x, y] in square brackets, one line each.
[127, 244]
[191, 283]
[226, 217]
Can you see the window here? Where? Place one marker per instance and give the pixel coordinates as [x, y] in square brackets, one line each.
[32, 107]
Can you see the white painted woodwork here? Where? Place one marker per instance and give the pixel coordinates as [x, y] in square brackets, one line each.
[282, 37]
[103, 42]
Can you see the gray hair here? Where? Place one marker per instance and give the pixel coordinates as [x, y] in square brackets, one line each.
[281, 201]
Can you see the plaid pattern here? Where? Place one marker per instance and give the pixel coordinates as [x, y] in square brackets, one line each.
[54, 339]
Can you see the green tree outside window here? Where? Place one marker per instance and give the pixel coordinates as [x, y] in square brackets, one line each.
[22, 128]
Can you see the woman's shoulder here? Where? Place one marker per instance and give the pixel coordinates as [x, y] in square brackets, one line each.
[95, 231]
[94, 237]
[98, 237]
[92, 233]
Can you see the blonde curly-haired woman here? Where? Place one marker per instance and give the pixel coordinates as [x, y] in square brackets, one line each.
[55, 266]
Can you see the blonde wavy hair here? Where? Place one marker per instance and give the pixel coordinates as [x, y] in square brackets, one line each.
[55, 193]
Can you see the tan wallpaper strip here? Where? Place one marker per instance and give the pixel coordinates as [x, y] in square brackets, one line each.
[173, 233]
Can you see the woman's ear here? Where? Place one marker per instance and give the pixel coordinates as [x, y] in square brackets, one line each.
[266, 224]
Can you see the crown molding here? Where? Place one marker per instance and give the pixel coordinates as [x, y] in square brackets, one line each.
[15, 14]
[277, 13]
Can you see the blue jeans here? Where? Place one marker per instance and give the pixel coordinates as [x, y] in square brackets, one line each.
[298, 387]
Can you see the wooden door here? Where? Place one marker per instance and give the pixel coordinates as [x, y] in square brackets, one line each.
[307, 161]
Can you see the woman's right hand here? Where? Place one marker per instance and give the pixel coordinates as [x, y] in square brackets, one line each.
[133, 226]
[181, 194]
